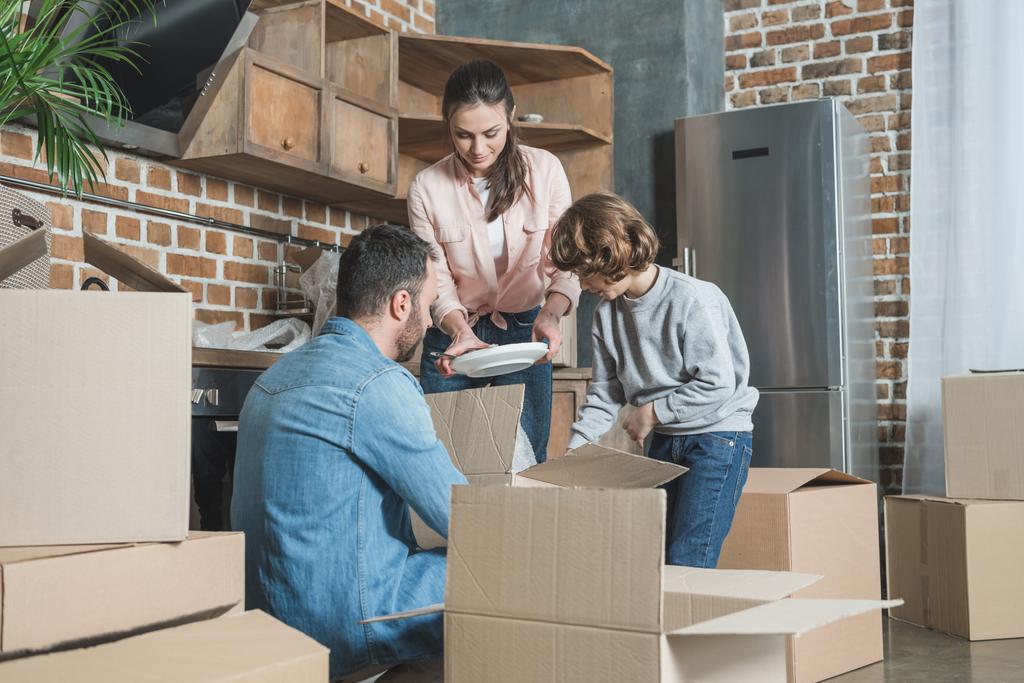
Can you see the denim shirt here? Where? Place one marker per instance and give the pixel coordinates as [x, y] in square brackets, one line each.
[335, 443]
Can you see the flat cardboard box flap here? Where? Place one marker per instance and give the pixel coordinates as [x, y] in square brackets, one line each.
[983, 432]
[22, 252]
[594, 466]
[124, 267]
[251, 647]
[785, 617]
[480, 429]
[789, 479]
[58, 595]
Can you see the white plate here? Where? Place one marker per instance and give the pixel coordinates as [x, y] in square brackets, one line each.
[499, 360]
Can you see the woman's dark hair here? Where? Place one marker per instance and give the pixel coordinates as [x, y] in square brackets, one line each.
[483, 82]
[380, 261]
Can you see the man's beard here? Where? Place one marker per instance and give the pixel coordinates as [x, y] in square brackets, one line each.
[410, 337]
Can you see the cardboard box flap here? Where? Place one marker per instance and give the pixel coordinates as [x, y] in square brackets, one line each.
[594, 466]
[480, 428]
[27, 553]
[250, 647]
[22, 252]
[737, 583]
[785, 617]
[963, 502]
[788, 479]
[125, 268]
[408, 614]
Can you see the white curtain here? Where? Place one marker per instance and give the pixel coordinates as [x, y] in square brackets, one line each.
[967, 209]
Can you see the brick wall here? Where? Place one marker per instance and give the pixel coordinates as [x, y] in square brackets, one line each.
[228, 273]
[859, 52]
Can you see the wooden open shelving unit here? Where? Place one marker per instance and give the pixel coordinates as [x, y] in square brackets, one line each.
[568, 86]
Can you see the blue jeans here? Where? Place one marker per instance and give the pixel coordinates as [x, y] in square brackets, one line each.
[702, 502]
[536, 417]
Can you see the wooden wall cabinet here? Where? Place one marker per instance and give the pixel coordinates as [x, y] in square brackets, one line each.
[307, 108]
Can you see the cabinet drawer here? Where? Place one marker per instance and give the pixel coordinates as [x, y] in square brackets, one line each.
[284, 113]
[363, 142]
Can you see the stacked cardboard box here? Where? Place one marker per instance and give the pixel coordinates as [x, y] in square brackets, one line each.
[956, 560]
[561, 576]
[94, 493]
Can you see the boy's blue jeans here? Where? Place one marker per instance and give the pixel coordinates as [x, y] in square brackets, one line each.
[702, 502]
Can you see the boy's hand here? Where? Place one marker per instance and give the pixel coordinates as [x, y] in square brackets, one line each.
[548, 327]
[640, 422]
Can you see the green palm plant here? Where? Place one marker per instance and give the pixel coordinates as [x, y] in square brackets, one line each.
[56, 70]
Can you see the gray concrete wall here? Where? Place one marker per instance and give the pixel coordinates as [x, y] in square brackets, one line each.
[668, 57]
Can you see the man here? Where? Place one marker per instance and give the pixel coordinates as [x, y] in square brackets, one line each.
[335, 444]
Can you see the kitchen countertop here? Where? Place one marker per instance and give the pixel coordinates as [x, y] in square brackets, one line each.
[261, 360]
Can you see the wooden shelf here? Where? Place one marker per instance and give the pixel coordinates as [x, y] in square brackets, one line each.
[426, 61]
[343, 23]
[424, 137]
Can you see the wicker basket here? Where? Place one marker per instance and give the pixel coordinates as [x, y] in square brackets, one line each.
[20, 215]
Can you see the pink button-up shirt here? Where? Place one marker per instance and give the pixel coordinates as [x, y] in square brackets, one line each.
[446, 211]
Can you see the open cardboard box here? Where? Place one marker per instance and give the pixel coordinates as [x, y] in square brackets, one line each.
[824, 522]
[94, 388]
[245, 648]
[561, 577]
[59, 596]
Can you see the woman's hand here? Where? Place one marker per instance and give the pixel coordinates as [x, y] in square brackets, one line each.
[462, 341]
[641, 422]
[548, 325]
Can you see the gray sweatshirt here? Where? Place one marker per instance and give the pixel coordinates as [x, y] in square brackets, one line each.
[680, 346]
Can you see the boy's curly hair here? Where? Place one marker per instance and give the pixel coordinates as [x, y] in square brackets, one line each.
[602, 235]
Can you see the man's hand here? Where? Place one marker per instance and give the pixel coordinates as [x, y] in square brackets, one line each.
[640, 423]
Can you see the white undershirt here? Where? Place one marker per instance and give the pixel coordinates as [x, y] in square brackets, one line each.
[495, 229]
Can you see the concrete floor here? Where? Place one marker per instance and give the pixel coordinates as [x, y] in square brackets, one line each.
[917, 654]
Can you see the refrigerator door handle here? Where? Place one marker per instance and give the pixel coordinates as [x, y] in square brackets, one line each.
[693, 263]
[684, 262]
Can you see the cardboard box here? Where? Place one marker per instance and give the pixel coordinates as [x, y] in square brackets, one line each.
[983, 429]
[95, 392]
[246, 648]
[569, 584]
[823, 522]
[57, 596]
[957, 564]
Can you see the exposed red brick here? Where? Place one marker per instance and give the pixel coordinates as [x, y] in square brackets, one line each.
[773, 95]
[734, 5]
[864, 105]
[892, 369]
[245, 195]
[742, 22]
[242, 247]
[291, 206]
[729, 83]
[246, 272]
[892, 411]
[735, 61]
[270, 223]
[839, 67]
[885, 226]
[826, 50]
[158, 233]
[894, 41]
[128, 228]
[901, 80]
[891, 309]
[838, 9]
[151, 257]
[775, 17]
[62, 276]
[16, 145]
[267, 251]
[859, 44]
[871, 84]
[795, 34]
[211, 317]
[423, 24]
[268, 298]
[885, 287]
[891, 266]
[835, 87]
[882, 390]
[870, 5]
[876, 165]
[906, 99]
[127, 170]
[903, 202]
[899, 121]
[899, 162]
[268, 201]
[768, 77]
[316, 212]
[158, 177]
[905, 19]
[893, 62]
[762, 58]
[899, 245]
[67, 247]
[310, 232]
[188, 238]
[799, 53]
[216, 189]
[246, 297]
[872, 22]
[883, 204]
[743, 99]
[806, 91]
[220, 213]
[161, 201]
[191, 266]
[94, 221]
[806, 12]
[873, 123]
[899, 349]
[62, 216]
[189, 183]
[218, 295]
[216, 242]
[899, 390]
[742, 41]
[337, 217]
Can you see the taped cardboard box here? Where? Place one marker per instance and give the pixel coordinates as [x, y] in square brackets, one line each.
[94, 388]
[246, 648]
[823, 522]
[983, 429]
[62, 596]
[574, 588]
[957, 563]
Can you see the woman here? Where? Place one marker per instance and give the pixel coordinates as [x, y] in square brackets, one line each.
[487, 207]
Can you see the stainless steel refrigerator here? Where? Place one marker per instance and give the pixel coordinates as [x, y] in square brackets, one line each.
[773, 206]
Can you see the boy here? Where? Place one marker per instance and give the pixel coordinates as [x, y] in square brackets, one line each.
[670, 345]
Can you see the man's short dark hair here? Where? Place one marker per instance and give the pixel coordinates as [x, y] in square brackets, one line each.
[382, 260]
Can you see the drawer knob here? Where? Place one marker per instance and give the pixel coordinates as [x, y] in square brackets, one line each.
[288, 143]
[363, 167]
